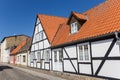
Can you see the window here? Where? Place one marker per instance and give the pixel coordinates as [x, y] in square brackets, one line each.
[84, 54]
[38, 56]
[24, 58]
[18, 59]
[32, 55]
[55, 56]
[74, 27]
[47, 55]
[58, 56]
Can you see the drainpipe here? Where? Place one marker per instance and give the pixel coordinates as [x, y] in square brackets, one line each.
[118, 38]
[116, 35]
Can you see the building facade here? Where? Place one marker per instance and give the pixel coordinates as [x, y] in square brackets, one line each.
[19, 55]
[23, 54]
[9, 43]
[85, 44]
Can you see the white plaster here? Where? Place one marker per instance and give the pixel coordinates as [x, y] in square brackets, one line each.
[85, 68]
[99, 48]
[111, 69]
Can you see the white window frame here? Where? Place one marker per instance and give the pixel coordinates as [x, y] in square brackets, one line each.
[58, 55]
[38, 56]
[74, 27]
[24, 58]
[47, 55]
[83, 52]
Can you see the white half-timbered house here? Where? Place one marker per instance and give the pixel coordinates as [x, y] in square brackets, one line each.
[44, 33]
[86, 44]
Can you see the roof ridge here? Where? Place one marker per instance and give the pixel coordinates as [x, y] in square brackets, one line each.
[60, 26]
[77, 12]
[13, 36]
[52, 15]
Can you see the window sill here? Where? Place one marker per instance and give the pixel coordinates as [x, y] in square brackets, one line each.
[73, 33]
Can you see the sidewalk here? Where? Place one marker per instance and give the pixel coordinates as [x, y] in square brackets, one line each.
[52, 75]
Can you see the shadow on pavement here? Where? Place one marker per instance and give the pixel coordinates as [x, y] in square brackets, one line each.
[4, 67]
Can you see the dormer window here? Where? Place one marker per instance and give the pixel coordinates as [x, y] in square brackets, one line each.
[76, 21]
[74, 27]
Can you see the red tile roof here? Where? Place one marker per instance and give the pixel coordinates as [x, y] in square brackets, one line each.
[103, 19]
[51, 24]
[80, 16]
[17, 49]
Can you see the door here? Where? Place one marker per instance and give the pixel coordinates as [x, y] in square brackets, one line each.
[57, 60]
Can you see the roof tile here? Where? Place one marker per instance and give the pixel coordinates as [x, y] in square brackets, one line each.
[102, 19]
[51, 24]
[17, 49]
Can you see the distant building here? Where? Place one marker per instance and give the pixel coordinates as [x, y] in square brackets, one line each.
[9, 43]
[0, 52]
[20, 55]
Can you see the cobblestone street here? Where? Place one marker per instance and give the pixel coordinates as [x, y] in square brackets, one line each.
[17, 72]
[9, 73]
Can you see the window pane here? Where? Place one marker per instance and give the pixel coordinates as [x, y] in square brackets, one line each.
[24, 58]
[18, 59]
[39, 56]
[60, 55]
[47, 55]
[55, 56]
[80, 53]
[72, 28]
[76, 27]
[86, 54]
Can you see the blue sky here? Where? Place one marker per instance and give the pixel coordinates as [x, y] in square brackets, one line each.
[18, 16]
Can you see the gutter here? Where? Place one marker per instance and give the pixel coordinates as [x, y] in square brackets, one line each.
[91, 39]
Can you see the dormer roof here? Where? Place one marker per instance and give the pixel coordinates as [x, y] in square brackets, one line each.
[78, 16]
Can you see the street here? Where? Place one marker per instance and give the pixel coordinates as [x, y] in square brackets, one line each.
[10, 73]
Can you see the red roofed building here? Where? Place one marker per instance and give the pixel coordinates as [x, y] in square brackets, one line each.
[85, 43]
[14, 52]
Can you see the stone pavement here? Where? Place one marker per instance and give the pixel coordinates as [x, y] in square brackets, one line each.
[52, 75]
[46, 76]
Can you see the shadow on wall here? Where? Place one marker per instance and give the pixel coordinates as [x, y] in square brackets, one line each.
[5, 67]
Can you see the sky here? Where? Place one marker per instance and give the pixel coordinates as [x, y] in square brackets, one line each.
[18, 16]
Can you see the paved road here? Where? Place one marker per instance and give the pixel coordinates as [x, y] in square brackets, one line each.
[10, 73]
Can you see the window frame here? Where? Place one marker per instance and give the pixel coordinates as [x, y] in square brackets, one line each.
[58, 55]
[24, 58]
[83, 49]
[38, 55]
[47, 56]
[74, 27]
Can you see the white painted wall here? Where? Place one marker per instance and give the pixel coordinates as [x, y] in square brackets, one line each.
[111, 69]
[115, 51]
[46, 44]
[85, 68]
[20, 61]
[99, 48]
[39, 45]
[96, 64]
[71, 50]
[4, 52]
[68, 66]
